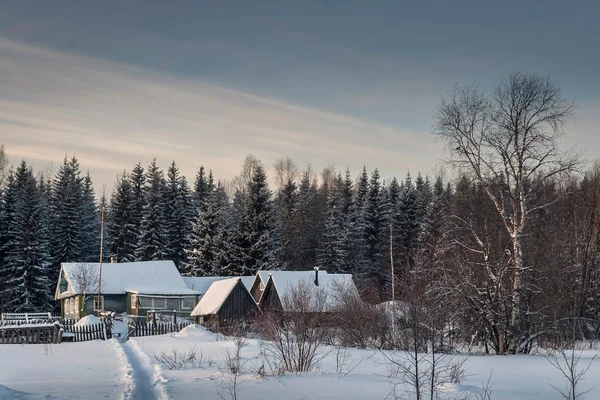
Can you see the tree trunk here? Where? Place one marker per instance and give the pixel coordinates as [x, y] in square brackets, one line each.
[515, 319]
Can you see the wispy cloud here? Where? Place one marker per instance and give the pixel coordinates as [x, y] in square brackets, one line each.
[112, 115]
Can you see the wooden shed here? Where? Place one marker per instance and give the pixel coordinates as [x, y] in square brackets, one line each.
[226, 304]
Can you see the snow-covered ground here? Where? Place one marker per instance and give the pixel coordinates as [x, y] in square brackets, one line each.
[98, 369]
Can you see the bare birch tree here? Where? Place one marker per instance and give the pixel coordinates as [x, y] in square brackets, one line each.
[507, 142]
[84, 278]
[286, 170]
[3, 165]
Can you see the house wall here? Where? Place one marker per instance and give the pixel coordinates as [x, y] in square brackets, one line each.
[173, 304]
[239, 306]
[112, 302]
[68, 311]
[270, 300]
[255, 289]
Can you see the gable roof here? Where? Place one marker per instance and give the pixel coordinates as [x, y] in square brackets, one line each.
[215, 296]
[147, 277]
[285, 282]
[202, 283]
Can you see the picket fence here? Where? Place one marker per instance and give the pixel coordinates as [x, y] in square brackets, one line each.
[153, 329]
[65, 330]
[31, 334]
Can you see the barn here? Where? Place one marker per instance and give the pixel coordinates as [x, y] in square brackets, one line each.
[226, 304]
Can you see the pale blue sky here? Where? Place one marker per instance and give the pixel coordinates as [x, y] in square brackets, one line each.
[333, 82]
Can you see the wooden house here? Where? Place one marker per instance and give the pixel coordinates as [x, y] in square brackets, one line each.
[133, 288]
[226, 303]
[317, 284]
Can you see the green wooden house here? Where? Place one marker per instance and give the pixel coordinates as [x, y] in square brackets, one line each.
[132, 288]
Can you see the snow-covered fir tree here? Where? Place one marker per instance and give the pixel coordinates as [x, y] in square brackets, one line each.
[211, 248]
[176, 213]
[257, 239]
[307, 223]
[90, 223]
[151, 244]
[138, 183]
[375, 230]
[203, 187]
[120, 223]
[286, 204]
[26, 249]
[406, 226]
[67, 210]
[336, 244]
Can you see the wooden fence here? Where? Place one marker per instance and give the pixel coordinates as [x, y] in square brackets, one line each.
[32, 334]
[153, 329]
[90, 332]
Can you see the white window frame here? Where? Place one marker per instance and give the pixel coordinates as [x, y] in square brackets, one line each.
[261, 287]
[94, 298]
[134, 301]
[190, 298]
[155, 303]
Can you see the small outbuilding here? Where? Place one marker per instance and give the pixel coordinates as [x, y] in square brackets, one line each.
[225, 304]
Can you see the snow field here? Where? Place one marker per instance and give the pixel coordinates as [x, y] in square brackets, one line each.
[98, 369]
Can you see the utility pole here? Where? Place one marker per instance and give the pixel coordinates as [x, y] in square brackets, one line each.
[393, 288]
[100, 303]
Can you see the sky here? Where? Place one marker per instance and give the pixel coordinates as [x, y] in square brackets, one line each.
[344, 83]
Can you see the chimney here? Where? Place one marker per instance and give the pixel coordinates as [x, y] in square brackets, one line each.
[113, 260]
[316, 276]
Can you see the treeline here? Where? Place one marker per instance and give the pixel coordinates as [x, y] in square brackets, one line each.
[505, 252]
[333, 221]
[448, 232]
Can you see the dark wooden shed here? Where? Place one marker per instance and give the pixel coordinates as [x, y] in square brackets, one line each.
[225, 305]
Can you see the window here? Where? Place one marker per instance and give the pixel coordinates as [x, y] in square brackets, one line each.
[153, 303]
[261, 286]
[187, 303]
[134, 302]
[96, 303]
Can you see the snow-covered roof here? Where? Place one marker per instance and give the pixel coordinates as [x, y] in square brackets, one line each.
[147, 277]
[329, 284]
[202, 283]
[215, 296]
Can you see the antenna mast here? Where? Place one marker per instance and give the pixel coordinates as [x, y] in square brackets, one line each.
[393, 288]
[100, 302]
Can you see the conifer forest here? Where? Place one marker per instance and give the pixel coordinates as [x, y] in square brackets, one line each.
[505, 242]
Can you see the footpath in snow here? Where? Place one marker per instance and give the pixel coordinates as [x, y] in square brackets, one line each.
[146, 382]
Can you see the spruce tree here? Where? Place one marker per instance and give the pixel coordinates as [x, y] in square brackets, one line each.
[202, 188]
[375, 229]
[120, 223]
[257, 237]
[175, 204]
[407, 225]
[90, 223]
[138, 183]
[287, 199]
[67, 209]
[27, 252]
[336, 245]
[151, 244]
